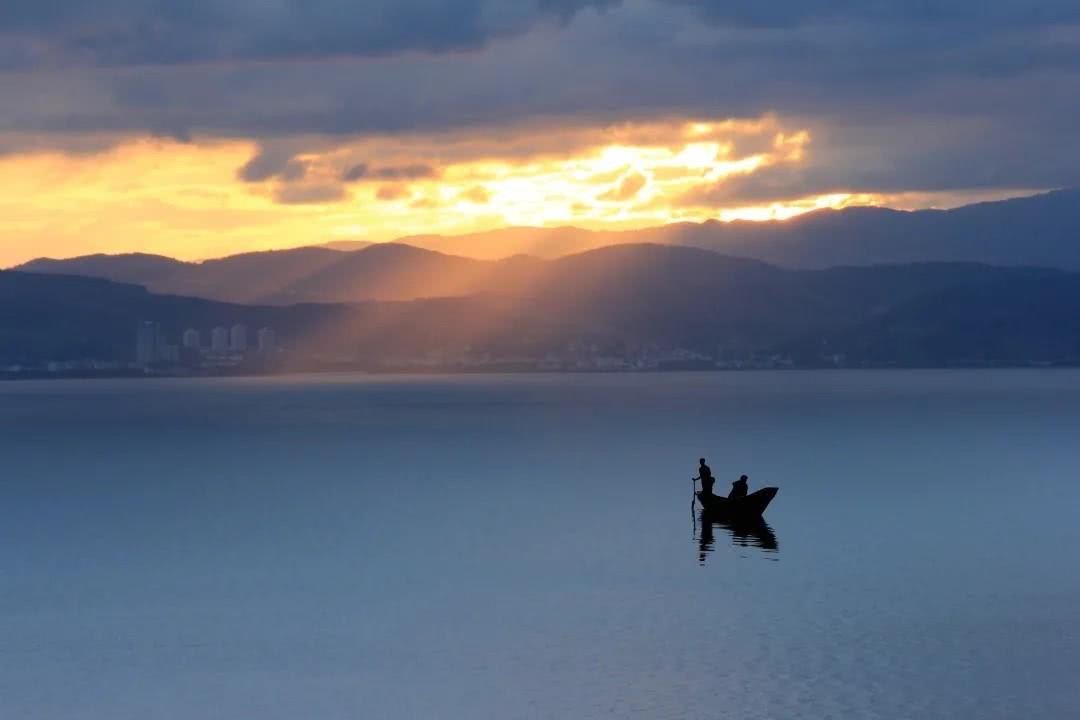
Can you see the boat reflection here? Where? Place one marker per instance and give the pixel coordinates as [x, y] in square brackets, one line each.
[743, 533]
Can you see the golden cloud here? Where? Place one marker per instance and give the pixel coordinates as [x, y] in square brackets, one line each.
[212, 197]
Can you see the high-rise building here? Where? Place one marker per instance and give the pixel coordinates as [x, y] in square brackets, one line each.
[267, 341]
[167, 353]
[238, 338]
[219, 340]
[192, 339]
[146, 343]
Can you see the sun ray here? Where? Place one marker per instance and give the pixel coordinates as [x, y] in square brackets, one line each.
[189, 199]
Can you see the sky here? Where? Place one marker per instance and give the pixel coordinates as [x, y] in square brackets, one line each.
[210, 127]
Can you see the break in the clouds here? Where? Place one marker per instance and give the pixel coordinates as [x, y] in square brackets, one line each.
[339, 102]
[990, 84]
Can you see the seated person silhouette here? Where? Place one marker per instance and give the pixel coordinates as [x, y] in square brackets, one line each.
[706, 477]
[738, 488]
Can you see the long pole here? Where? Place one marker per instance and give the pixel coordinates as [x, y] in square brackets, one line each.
[693, 515]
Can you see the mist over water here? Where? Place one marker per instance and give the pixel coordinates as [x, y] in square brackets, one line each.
[523, 547]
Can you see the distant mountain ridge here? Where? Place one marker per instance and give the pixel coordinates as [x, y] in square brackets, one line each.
[346, 245]
[1041, 230]
[625, 302]
[384, 271]
[245, 278]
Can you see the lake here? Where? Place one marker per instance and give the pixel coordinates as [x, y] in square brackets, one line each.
[523, 547]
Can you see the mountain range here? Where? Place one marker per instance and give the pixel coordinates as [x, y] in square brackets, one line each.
[622, 301]
[1041, 230]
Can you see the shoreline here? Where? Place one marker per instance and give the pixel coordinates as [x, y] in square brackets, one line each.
[450, 372]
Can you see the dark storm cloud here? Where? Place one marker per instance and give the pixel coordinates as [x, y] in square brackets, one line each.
[271, 162]
[356, 172]
[901, 94]
[787, 13]
[135, 32]
[363, 171]
[929, 157]
[309, 194]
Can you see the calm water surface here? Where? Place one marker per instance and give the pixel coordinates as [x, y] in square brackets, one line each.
[523, 547]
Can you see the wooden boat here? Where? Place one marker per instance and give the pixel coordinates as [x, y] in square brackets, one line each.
[750, 506]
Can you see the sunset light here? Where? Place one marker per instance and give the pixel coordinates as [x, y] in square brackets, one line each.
[209, 198]
[524, 359]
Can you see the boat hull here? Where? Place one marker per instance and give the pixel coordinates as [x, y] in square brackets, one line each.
[750, 506]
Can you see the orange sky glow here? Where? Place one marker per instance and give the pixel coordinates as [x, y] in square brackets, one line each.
[188, 200]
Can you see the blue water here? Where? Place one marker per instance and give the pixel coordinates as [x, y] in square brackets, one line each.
[523, 547]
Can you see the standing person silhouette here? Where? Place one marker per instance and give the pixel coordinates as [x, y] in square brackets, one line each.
[706, 477]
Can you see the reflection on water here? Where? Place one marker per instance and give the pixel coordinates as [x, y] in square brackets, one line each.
[742, 533]
[342, 547]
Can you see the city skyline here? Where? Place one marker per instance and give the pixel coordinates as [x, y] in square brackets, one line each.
[227, 346]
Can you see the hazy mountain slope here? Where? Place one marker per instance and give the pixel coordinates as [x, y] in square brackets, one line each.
[708, 302]
[50, 317]
[138, 268]
[245, 278]
[387, 272]
[393, 271]
[59, 317]
[1040, 230]
[63, 317]
[1014, 317]
[539, 242]
[657, 294]
[618, 300]
[251, 277]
